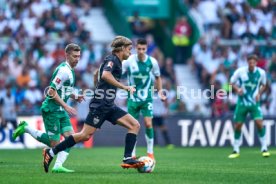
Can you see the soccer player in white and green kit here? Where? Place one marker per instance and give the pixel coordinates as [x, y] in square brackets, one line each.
[54, 108]
[140, 69]
[249, 83]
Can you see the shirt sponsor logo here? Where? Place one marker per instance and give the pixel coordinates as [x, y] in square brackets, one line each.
[96, 120]
[110, 64]
[58, 80]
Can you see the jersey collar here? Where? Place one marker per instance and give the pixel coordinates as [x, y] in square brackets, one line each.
[253, 70]
[136, 56]
[68, 65]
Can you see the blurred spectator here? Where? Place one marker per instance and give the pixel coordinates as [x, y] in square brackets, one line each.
[8, 109]
[82, 34]
[175, 105]
[167, 70]
[24, 78]
[32, 94]
[248, 34]
[181, 38]
[46, 61]
[254, 25]
[262, 35]
[33, 34]
[59, 54]
[88, 77]
[138, 26]
[85, 59]
[272, 107]
[15, 66]
[209, 12]
[230, 15]
[196, 15]
[160, 111]
[244, 29]
[219, 105]
[272, 66]
[83, 107]
[273, 32]
[19, 95]
[239, 27]
[152, 47]
[37, 32]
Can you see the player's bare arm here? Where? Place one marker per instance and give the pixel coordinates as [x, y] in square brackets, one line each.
[79, 98]
[238, 90]
[158, 81]
[108, 77]
[96, 73]
[53, 93]
[261, 91]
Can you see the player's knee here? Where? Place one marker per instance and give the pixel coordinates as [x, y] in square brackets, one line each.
[136, 125]
[148, 125]
[238, 126]
[85, 137]
[67, 134]
[53, 143]
[259, 125]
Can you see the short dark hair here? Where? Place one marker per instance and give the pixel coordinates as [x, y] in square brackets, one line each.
[142, 41]
[72, 47]
[252, 56]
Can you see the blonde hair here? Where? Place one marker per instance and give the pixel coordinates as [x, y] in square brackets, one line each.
[119, 42]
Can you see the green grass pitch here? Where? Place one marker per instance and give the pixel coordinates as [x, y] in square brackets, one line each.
[180, 165]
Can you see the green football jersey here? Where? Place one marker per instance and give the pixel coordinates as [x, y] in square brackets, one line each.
[250, 82]
[141, 75]
[63, 80]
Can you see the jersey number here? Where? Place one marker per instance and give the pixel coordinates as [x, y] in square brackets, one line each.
[149, 106]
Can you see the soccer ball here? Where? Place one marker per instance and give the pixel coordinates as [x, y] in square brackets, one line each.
[149, 165]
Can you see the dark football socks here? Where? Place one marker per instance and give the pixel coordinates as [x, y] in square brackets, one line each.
[129, 144]
[67, 143]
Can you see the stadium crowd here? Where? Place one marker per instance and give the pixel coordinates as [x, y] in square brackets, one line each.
[232, 29]
[33, 34]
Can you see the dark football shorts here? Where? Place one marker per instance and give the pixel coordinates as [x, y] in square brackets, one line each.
[158, 121]
[97, 116]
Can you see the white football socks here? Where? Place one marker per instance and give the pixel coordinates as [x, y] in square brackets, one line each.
[236, 145]
[150, 143]
[61, 157]
[33, 132]
[133, 154]
[263, 143]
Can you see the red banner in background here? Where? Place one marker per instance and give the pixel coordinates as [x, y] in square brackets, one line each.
[86, 144]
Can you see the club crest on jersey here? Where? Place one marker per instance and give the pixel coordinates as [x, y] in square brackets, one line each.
[58, 80]
[110, 64]
[96, 120]
[55, 128]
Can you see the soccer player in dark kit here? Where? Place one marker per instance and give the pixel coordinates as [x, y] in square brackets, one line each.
[102, 107]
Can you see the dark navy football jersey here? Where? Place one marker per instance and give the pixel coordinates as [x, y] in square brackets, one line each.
[105, 93]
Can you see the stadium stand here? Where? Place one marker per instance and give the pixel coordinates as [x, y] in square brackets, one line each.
[33, 34]
[231, 29]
